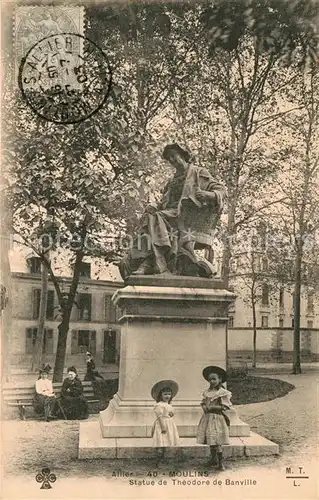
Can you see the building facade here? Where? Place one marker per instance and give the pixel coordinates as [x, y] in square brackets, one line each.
[93, 324]
[274, 309]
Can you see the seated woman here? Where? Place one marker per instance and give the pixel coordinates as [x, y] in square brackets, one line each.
[44, 401]
[91, 373]
[73, 401]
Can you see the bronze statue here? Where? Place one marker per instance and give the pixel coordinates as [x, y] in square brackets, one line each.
[182, 222]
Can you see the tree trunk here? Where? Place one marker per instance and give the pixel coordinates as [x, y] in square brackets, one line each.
[6, 313]
[254, 334]
[227, 253]
[63, 329]
[6, 285]
[37, 357]
[296, 366]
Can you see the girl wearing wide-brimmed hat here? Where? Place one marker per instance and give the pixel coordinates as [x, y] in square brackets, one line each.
[165, 433]
[213, 426]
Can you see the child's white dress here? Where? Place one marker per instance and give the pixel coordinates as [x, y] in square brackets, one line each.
[212, 428]
[170, 438]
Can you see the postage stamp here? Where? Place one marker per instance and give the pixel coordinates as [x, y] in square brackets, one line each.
[33, 23]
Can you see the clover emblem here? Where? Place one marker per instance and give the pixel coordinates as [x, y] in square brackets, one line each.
[45, 477]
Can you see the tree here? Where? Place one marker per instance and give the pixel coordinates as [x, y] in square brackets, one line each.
[229, 117]
[300, 219]
[6, 288]
[38, 345]
[75, 187]
[256, 273]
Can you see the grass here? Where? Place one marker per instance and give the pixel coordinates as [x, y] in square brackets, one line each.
[245, 389]
[257, 389]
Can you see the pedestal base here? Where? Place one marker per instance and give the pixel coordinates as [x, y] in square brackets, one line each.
[167, 332]
[93, 445]
[131, 419]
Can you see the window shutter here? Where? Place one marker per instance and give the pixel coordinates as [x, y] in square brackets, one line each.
[48, 341]
[28, 341]
[109, 346]
[74, 342]
[107, 308]
[89, 299]
[110, 309]
[36, 294]
[75, 313]
[92, 343]
[50, 305]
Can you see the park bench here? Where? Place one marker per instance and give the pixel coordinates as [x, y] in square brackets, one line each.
[21, 395]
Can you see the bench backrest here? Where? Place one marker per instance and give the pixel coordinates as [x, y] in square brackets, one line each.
[19, 392]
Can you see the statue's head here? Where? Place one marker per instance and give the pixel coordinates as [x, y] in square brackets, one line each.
[176, 155]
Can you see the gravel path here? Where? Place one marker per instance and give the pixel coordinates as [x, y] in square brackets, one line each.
[290, 421]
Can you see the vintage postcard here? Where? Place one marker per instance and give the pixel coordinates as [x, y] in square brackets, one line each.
[159, 249]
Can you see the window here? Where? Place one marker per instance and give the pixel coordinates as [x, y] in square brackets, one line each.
[110, 310]
[85, 270]
[85, 306]
[36, 298]
[265, 295]
[264, 321]
[34, 264]
[309, 323]
[292, 323]
[256, 261]
[310, 303]
[281, 297]
[231, 321]
[31, 334]
[281, 323]
[262, 235]
[82, 341]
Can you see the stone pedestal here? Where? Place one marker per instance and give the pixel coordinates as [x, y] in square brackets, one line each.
[167, 332]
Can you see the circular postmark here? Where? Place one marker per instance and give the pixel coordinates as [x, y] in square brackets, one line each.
[65, 78]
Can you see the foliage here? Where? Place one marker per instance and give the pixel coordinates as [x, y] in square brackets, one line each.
[229, 105]
[280, 28]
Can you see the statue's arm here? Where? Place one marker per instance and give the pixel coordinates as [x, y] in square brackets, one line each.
[213, 193]
[205, 196]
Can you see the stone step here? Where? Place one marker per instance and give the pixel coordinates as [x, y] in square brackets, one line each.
[93, 445]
